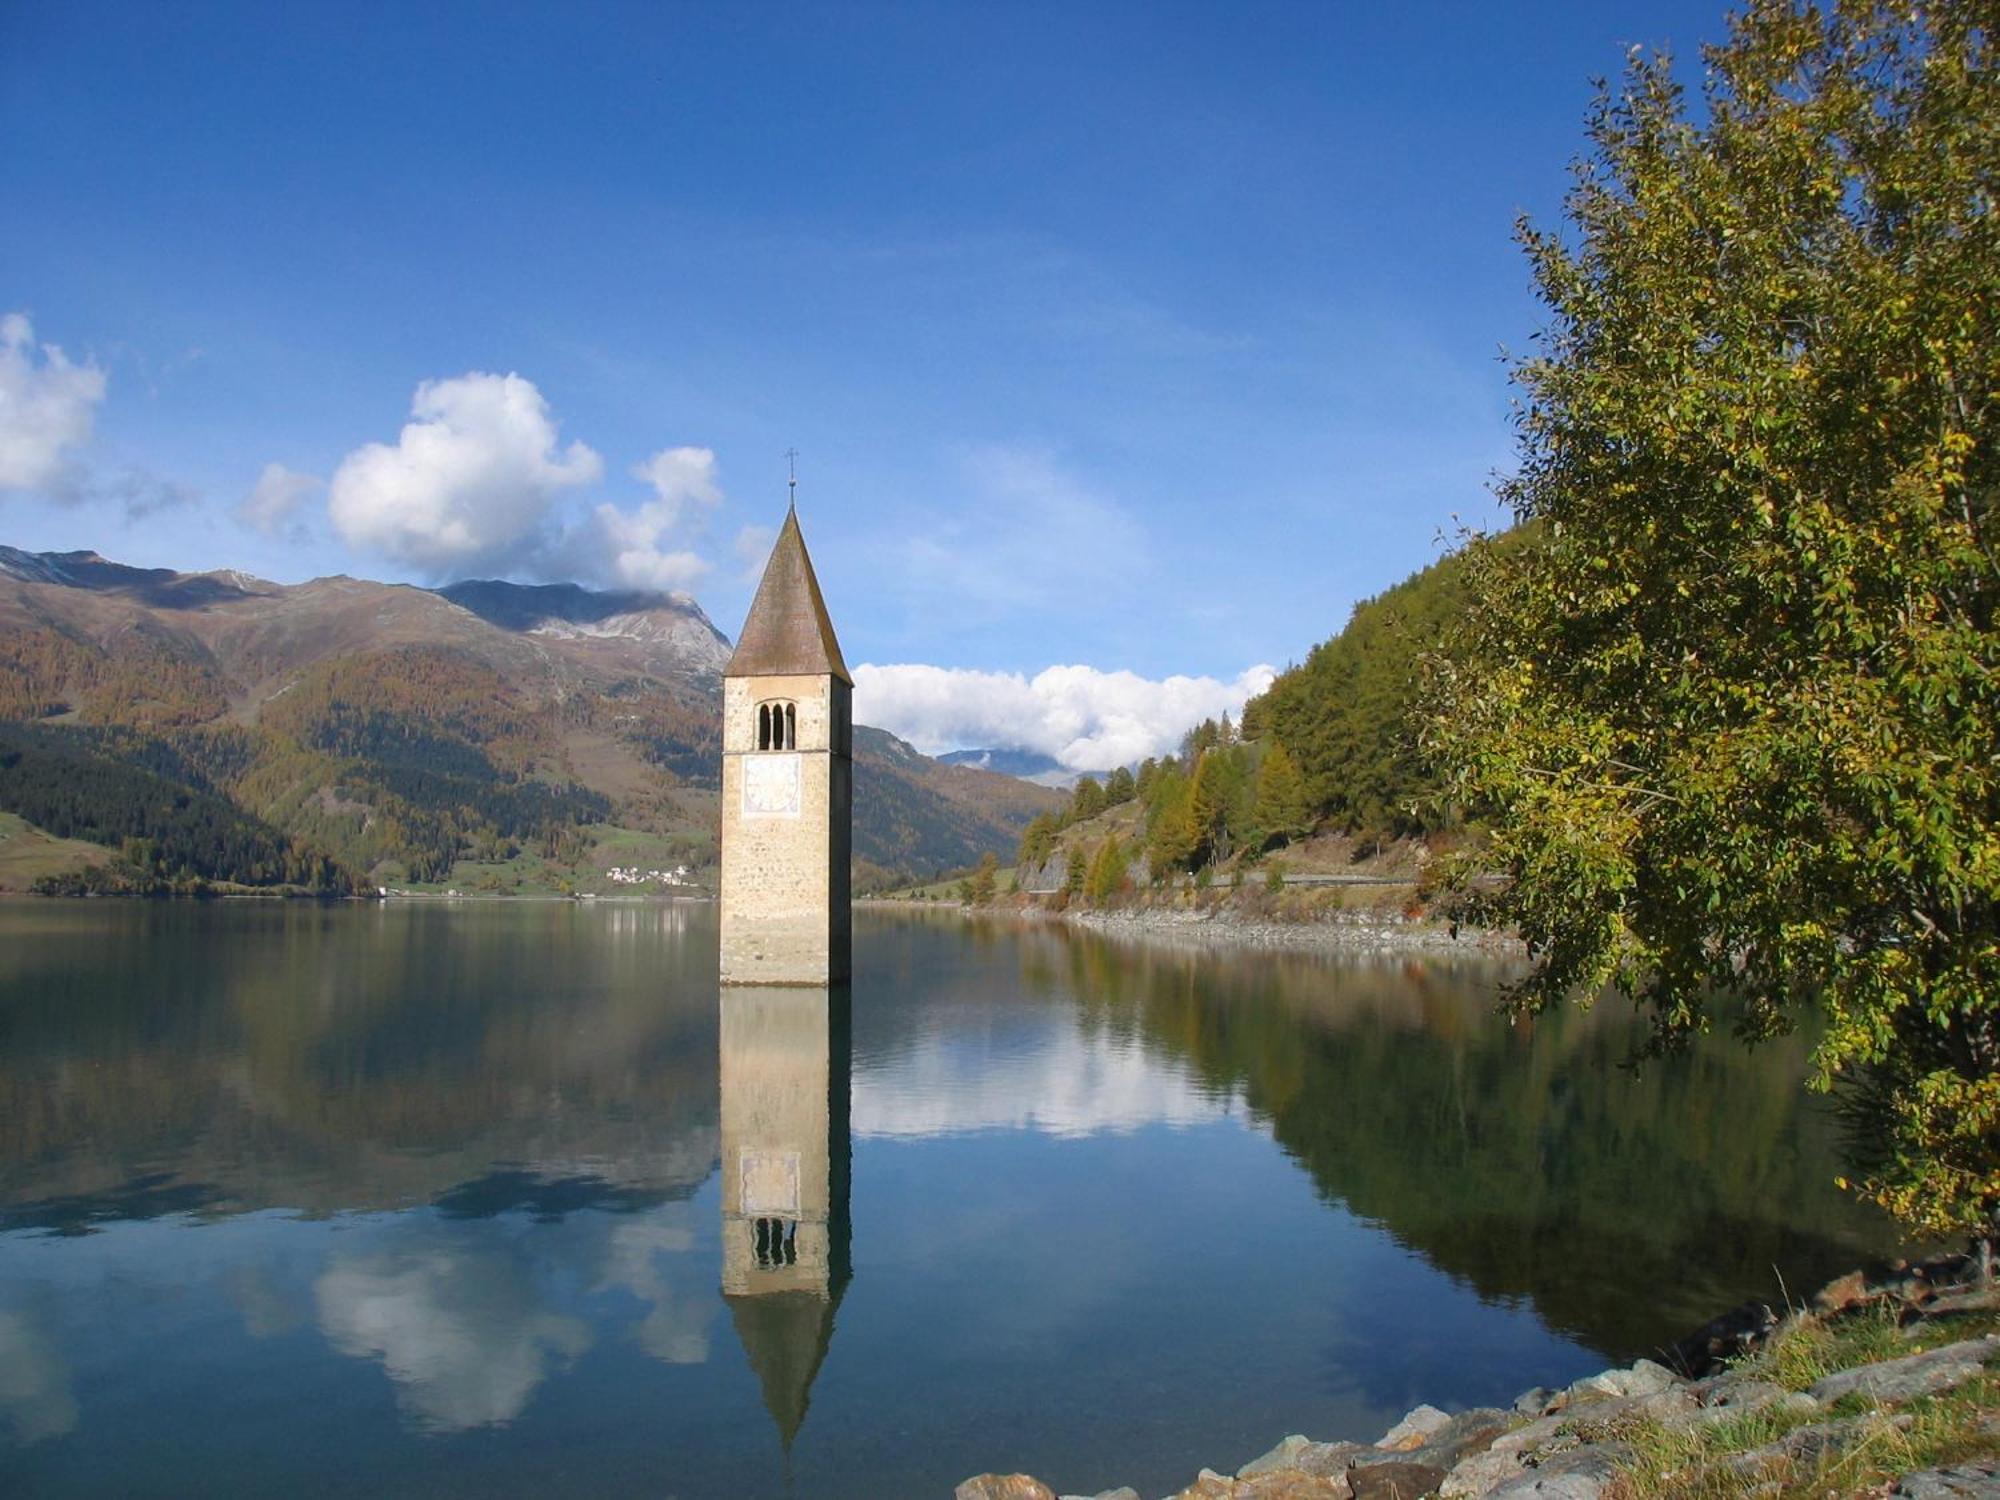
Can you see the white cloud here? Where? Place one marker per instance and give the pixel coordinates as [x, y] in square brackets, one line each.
[470, 480]
[632, 548]
[273, 505]
[682, 478]
[1087, 719]
[46, 407]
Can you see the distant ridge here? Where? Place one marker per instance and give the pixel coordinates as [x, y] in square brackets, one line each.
[528, 736]
[1030, 766]
[161, 588]
[570, 611]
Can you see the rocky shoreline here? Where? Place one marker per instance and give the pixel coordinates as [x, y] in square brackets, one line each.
[1759, 1405]
[1342, 931]
[1221, 925]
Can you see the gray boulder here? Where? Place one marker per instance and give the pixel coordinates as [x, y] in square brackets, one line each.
[1808, 1445]
[1973, 1481]
[1274, 1484]
[1913, 1375]
[1414, 1430]
[1395, 1481]
[1725, 1399]
[1481, 1474]
[1284, 1456]
[1460, 1435]
[1524, 1440]
[1003, 1487]
[1302, 1455]
[1579, 1474]
[1644, 1379]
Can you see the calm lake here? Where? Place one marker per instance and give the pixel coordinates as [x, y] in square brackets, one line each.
[442, 1199]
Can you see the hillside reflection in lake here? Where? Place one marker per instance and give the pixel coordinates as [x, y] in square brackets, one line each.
[436, 1199]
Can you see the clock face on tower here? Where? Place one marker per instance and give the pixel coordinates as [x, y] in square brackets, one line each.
[770, 786]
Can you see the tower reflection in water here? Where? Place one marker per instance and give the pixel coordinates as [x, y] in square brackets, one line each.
[785, 1229]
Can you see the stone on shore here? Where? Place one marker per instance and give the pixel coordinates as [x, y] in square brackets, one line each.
[1913, 1375]
[1414, 1430]
[1738, 1398]
[1575, 1445]
[1952, 1305]
[1973, 1481]
[1808, 1445]
[1481, 1474]
[1284, 1456]
[1303, 1454]
[1841, 1293]
[1395, 1481]
[1523, 1440]
[1460, 1435]
[1003, 1487]
[1577, 1474]
[1643, 1379]
[1275, 1484]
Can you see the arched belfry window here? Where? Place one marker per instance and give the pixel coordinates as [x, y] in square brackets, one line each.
[777, 726]
[777, 1243]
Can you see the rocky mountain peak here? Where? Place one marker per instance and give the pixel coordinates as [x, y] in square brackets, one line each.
[672, 624]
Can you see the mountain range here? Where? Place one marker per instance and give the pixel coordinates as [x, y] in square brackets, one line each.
[1028, 765]
[486, 734]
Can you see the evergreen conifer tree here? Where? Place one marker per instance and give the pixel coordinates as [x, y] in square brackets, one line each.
[1281, 811]
[1171, 836]
[1107, 872]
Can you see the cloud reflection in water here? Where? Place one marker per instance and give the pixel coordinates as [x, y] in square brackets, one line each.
[455, 1325]
[35, 1394]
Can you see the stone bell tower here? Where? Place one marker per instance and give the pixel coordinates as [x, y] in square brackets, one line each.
[787, 783]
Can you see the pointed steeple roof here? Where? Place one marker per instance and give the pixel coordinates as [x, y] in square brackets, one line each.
[788, 632]
[785, 1334]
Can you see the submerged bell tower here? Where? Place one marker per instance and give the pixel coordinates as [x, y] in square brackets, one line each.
[787, 783]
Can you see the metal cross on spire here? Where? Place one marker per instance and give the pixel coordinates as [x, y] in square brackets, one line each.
[792, 462]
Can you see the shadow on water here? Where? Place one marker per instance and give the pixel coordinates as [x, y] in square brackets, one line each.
[543, 1199]
[330, 1060]
[146, 1197]
[1525, 1159]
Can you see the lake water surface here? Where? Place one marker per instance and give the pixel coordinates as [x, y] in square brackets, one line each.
[485, 1199]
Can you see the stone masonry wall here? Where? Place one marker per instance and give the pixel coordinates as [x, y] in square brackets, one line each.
[784, 868]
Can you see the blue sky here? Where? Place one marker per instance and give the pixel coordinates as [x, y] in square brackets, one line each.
[1142, 338]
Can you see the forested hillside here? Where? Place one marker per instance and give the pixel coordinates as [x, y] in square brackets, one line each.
[1346, 714]
[81, 784]
[343, 734]
[1331, 748]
